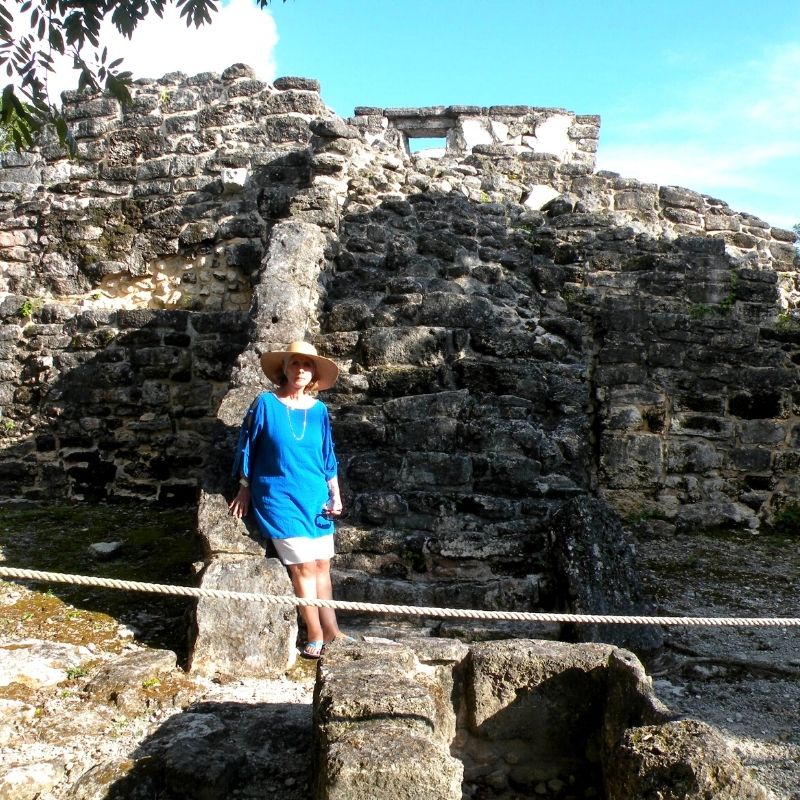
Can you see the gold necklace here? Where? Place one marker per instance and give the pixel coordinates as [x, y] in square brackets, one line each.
[291, 427]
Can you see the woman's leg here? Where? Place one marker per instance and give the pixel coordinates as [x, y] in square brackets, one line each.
[312, 581]
[327, 616]
[304, 581]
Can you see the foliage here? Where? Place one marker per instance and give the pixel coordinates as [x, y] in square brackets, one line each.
[788, 321]
[12, 129]
[786, 521]
[30, 307]
[64, 27]
[76, 672]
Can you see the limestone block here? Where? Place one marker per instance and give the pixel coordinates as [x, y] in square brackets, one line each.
[436, 469]
[222, 533]
[689, 757]
[388, 761]
[288, 288]
[286, 129]
[392, 692]
[695, 457]
[634, 201]
[121, 681]
[287, 82]
[242, 637]
[36, 663]
[391, 740]
[413, 345]
[29, 781]
[714, 514]
[783, 253]
[684, 216]
[334, 128]
[536, 698]
[233, 180]
[680, 197]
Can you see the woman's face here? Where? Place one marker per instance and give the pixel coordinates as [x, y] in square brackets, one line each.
[299, 372]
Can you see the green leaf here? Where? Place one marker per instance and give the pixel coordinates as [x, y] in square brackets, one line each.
[56, 40]
[7, 109]
[118, 90]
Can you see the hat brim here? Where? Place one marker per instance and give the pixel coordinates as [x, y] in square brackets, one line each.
[325, 371]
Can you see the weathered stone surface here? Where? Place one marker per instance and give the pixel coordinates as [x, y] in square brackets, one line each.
[262, 642]
[402, 763]
[33, 662]
[530, 716]
[122, 680]
[222, 533]
[686, 759]
[595, 569]
[401, 727]
[29, 781]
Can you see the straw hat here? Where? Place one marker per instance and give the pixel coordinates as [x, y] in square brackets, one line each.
[325, 370]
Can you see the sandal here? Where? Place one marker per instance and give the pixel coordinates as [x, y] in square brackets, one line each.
[312, 649]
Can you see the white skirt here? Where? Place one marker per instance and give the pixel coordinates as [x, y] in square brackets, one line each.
[302, 549]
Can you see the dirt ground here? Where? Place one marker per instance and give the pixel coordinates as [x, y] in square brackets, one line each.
[743, 680]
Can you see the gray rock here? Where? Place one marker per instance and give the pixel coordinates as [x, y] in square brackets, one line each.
[36, 663]
[262, 641]
[29, 781]
[687, 758]
[595, 568]
[104, 550]
[123, 680]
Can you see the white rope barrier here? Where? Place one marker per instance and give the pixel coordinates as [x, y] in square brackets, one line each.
[382, 608]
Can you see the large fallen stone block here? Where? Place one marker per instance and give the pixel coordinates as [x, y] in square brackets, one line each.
[382, 728]
[244, 638]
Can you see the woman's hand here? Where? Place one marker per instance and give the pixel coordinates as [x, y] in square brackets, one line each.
[333, 508]
[241, 503]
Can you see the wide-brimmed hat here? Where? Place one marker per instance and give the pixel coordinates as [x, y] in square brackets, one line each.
[325, 370]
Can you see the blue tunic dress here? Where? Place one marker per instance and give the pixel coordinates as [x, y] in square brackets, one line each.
[287, 455]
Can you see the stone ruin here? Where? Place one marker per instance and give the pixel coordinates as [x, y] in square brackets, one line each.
[518, 718]
[523, 340]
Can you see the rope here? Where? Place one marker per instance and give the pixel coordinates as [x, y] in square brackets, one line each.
[382, 608]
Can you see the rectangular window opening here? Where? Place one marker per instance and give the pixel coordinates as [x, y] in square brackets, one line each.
[431, 146]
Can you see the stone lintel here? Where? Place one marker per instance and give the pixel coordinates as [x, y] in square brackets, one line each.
[425, 111]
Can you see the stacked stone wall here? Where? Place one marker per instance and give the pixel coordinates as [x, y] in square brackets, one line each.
[128, 274]
[118, 404]
[569, 137]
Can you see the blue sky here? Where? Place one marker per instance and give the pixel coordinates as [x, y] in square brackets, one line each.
[702, 94]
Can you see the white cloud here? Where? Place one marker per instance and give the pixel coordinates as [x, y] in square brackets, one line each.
[239, 32]
[734, 134]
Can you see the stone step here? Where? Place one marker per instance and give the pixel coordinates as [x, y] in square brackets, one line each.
[496, 593]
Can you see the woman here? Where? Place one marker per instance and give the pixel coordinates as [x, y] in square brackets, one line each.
[287, 472]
